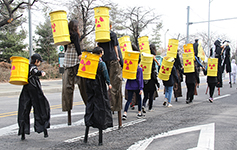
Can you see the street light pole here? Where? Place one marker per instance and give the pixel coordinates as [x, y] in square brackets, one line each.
[165, 39]
[30, 31]
[208, 39]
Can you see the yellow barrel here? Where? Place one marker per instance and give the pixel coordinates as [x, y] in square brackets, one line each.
[172, 48]
[88, 65]
[188, 48]
[166, 68]
[102, 29]
[146, 65]
[144, 45]
[125, 44]
[19, 70]
[188, 62]
[212, 67]
[130, 64]
[59, 26]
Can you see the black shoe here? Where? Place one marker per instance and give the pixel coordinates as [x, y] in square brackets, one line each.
[176, 99]
[124, 117]
[164, 103]
[187, 101]
[46, 133]
[23, 137]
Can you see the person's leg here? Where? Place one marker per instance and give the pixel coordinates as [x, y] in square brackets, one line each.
[139, 101]
[191, 91]
[130, 95]
[151, 93]
[67, 89]
[166, 96]
[187, 95]
[170, 90]
[145, 98]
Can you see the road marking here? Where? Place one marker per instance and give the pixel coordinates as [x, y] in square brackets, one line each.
[13, 129]
[219, 97]
[105, 131]
[205, 141]
[14, 113]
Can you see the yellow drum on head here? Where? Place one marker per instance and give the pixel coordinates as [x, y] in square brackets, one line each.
[166, 68]
[59, 26]
[212, 67]
[102, 29]
[144, 45]
[125, 44]
[130, 64]
[172, 48]
[146, 65]
[188, 62]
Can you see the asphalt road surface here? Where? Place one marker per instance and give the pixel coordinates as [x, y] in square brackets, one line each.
[199, 125]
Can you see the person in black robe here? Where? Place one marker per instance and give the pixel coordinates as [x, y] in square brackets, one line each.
[32, 95]
[177, 85]
[226, 60]
[98, 113]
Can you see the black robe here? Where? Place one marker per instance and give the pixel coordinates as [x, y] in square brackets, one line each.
[32, 95]
[98, 112]
[218, 50]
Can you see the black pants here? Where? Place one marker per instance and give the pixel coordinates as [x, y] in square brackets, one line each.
[211, 89]
[148, 94]
[190, 91]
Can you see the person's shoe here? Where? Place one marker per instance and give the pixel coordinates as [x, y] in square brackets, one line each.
[187, 101]
[23, 137]
[210, 100]
[143, 109]
[124, 117]
[151, 110]
[46, 133]
[139, 116]
[176, 99]
[169, 105]
[132, 107]
[165, 102]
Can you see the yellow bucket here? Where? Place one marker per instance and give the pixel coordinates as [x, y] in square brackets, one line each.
[188, 48]
[144, 45]
[172, 48]
[125, 44]
[188, 62]
[146, 65]
[166, 68]
[59, 26]
[88, 65]
[102, 29]
[19, 70]
[212, 67]
[130, 64]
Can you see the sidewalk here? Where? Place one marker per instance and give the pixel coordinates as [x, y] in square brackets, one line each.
[7, 89]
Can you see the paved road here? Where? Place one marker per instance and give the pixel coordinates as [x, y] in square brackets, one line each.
[199, 125]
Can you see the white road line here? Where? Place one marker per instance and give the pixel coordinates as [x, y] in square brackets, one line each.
[206, 137]
[105, 131]
[13, 129]
[219, 97]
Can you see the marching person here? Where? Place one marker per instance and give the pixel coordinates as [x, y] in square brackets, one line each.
[98, 112]
[32, 95]
[134, 86]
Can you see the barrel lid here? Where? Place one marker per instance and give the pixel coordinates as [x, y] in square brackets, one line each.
[102, 6]
[57, 11]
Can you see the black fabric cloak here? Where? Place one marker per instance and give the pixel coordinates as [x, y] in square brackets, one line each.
[98, 112]
[32, 95]
[218, 50]
[226, 60]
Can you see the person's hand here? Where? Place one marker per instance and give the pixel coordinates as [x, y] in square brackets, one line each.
[43, 73]
[140, 93]
[110, 86]
[158, 89]
[118, 58]
[79, 57]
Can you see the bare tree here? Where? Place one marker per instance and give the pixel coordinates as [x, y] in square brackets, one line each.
[9, 9]
[138, 20]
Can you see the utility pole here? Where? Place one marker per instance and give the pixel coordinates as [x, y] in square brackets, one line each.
[208, 39]
[187, 41]
[30, 31]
